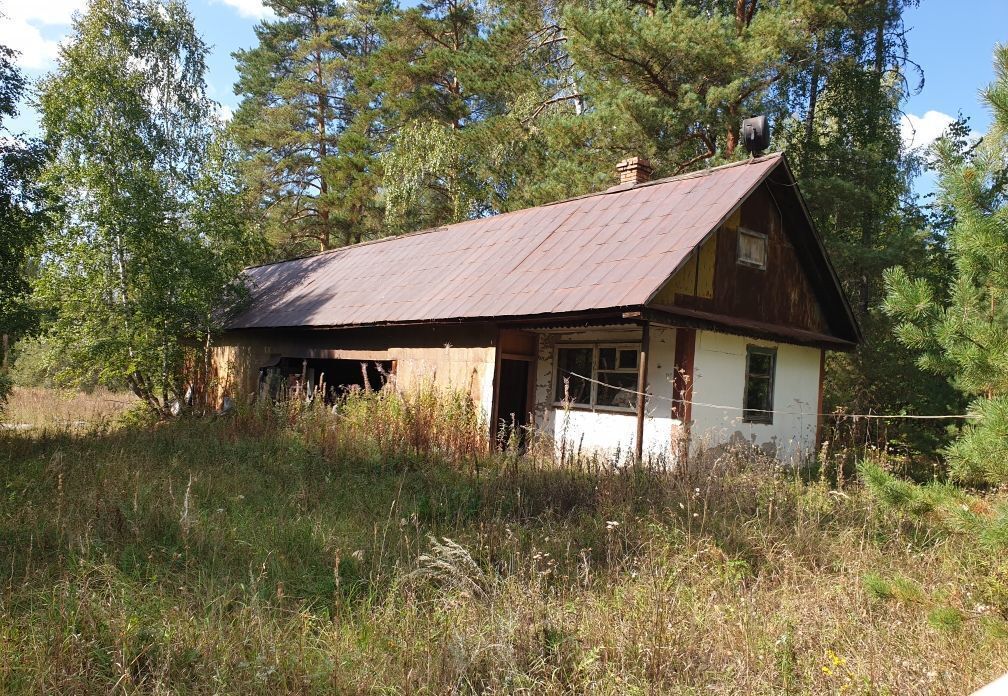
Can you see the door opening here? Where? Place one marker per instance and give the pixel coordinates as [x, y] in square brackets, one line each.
[513, 403]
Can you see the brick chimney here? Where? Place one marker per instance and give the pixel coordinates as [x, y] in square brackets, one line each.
[634, 170]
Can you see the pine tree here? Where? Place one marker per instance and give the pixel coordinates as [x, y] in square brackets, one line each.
[473, 94]
[312, 171]
[431, 103]
[673, 80]
[842, 134]
[963, 332]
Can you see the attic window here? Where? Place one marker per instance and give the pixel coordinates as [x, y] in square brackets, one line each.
[752, 248]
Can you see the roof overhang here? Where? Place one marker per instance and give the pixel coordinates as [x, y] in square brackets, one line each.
[680, 317]
[811, 251]
[671, 316]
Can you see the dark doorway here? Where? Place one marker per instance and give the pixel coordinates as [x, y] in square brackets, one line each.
[512, 402]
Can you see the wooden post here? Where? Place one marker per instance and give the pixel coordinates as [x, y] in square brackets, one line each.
[642, 389]
[682, 392]
[495, 398]
[819, 404]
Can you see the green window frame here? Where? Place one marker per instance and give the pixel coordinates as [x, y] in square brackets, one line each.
[760, 374]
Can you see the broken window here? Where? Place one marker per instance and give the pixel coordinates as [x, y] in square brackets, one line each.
[611, 369]
[757, 401]
[573, 365]
[292, 377]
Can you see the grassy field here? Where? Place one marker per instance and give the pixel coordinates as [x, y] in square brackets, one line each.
[378, 552]
[35, 408]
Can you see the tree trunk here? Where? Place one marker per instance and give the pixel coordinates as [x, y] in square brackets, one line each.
[813, 97]
[325, 240]
[869, 218]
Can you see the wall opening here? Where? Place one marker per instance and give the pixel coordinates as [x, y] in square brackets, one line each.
[290, 377]
[513, 402]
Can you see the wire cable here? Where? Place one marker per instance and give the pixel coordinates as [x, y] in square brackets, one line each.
[855, 416]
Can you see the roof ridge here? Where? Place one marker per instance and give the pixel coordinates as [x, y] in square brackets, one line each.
[604, 192]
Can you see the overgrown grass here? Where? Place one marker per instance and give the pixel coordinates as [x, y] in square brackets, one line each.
[379, 550]
[37, 407]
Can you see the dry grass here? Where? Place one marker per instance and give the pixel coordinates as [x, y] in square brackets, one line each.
[286, 551]
[41, 407]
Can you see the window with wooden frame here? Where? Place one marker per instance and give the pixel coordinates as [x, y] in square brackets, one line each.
[757, 400]
[752, 248]
[611, 367]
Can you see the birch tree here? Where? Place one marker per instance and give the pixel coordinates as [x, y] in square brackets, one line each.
[19, 218]
[136, 257]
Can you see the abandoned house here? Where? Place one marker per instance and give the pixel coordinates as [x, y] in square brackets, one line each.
[711, 293]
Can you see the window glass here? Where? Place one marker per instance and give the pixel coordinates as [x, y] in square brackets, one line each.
[628, 359]
[752, 248]
[570, 363]
[760, 363]
[606, 358]
[758, 398]
[612, 395]
[613, 366]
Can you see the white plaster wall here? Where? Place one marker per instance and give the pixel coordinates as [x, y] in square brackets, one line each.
[605, 431]
[719, 379]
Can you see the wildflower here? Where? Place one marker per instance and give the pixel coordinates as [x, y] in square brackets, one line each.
[611, 524]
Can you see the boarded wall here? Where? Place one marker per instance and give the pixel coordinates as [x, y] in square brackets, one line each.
[457, 357]
[711, 280]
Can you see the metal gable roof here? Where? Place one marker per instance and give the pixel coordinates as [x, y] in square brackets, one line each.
[601, 251]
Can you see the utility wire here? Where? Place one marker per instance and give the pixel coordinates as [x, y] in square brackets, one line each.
[855, 416]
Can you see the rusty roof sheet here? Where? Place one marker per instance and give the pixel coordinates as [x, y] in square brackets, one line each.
[606, 250]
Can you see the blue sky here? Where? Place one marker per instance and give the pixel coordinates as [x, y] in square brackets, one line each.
[954, 44]
[952, 41]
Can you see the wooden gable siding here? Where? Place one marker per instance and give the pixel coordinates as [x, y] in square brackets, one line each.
[713, 281]
[695, 279]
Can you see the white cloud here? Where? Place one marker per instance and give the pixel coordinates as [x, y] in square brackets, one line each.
[22, 25]
[224, 112]
[921, 131]
[249, 8]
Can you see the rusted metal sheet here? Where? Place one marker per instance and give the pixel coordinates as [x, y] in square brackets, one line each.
[603, 251]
